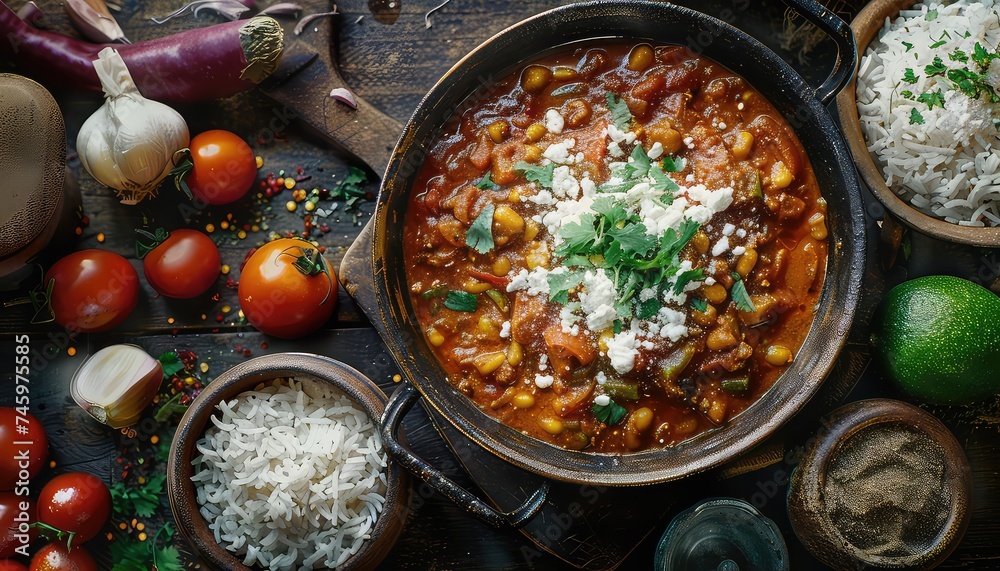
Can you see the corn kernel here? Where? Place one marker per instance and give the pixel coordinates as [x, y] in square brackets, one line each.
[515, 353]
[781, 177]
[310, 206]
[563, 73]
[434, 337]
[743, 145]
[224, 269]
[523, 400]
[715, 293]
[501, 267]
[746, 263]
[489, 362]
[536, 131]
[553, 426]
[473, 286]
[499, 130]
[532, 153]
[531, 230]
[778, 355]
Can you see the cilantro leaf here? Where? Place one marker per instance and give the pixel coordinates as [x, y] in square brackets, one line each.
[938, 44]
[982, 57]
[480, 234]
[639, 166]
[687, 277]
[171, 364]
[561, 283]
[609, 208]
[937, 67]
[932, 98]
[909, 77]
[663, 183]
[916, 117]
[908, 46]
[633, 238]
[486, 183]
[699, 304]
[649, 308]
[461, 301]
[671, 164]
[931, 15]
[537, 174]
[621, 116]
[611, 413]
[958, 55]
[578, 237]
[906, 94]
[141, 499]
[740, 296]
[349, 190]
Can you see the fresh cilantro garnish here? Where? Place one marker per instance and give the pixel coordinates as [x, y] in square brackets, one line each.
[663, 183]
[349, 190]
[138, 500]
[616, 326]
[620, 114]
[649, 308]
[560, 284]
[906, 94]
[959, 55]
[480, 234]
[915, 117]
[908, 46]
[439, 291]
[170, 408]
[535, 173]
[133, 555]
[171, 364]
[699, 304]
[932, 98]
[740, 296]
[973, 84]
[486, 183]
[931, 15]
[937, 67]
[938, 44]
[638, 167]
[671, 164]
[909, 77]
[687, 277]
[461, 301]
[611, 413]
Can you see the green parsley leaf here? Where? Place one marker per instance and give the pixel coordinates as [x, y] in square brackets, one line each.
[938, 44]
[537, 174]
[578, 237]
[639, 166]
[931, 15]
[132, 555]
[439, 291]
[671, 164]
[740, 296]
[479, 237]
[908, 46]
[350, 190]
[687, 277]
[171, 364]
[486, 183]
[616, 326]
[560, 284]
[170, 408]
[958, 55]
[663, 183]
[909, 77]
[140, 499]
[906, 94]
[649, 308]
[621, 116]
[610, 414]
[916, 117]
[983, 57]
[699, 304]
[633, 239]
[461, 301]
[932, 98]
[937, 67]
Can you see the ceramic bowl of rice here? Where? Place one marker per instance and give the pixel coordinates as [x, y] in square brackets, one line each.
[278, 465]
[922, 118]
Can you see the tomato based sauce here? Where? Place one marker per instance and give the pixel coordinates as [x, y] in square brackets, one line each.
[617, 248]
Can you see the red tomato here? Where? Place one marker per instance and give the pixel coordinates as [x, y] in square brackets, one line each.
[94, 290]
[55, 557]
[75, 502]
[224, 167]
[287, 289]
[12, 531]
[184, 265]
[25, 459]
[11, 565]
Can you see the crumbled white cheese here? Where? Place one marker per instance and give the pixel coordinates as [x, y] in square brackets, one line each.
[721, 246]
[544, 381]
[564, 183]
[587, 186]
[614, 150]
[722, 125]
[543, 362]
[622, 351]
[559, 152]
[655, 152]
[554, 122]
[543, 198]
[728, 229]
[741, 233]
[709, 280]
[602, 400]
[505, 330]
[597, 302]
[569, 318]
[739, 250]
[601, 377]
[618, 136]
[534, 282]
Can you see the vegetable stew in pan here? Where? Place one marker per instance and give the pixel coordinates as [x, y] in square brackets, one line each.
[618, 247]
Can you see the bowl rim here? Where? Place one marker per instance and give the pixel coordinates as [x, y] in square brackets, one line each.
[866, 26]
[241, 378]
[830, 326]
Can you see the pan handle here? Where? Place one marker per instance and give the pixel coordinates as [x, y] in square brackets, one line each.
[401, 401]
[840, 32]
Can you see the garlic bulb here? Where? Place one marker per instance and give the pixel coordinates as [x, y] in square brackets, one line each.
[116, 384]
[129, 143]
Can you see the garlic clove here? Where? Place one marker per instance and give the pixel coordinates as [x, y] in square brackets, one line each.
[95, 21]
[116, 384]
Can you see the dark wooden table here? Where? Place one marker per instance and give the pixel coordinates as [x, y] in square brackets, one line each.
[390, 59]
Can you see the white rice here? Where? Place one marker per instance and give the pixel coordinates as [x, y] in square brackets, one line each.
[291, 476]
[947, 166]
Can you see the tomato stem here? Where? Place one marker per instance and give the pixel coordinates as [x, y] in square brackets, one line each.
[183, 167]
[310, 263]
[46, 529]
[146, 241]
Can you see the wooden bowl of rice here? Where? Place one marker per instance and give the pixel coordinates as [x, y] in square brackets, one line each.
[867, 26]
[284, 450]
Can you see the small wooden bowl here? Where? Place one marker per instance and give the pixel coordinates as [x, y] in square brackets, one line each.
[244, 377]
[866, 27]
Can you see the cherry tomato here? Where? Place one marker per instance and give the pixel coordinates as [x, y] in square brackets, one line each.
[75, 502]
[55, 557]
[12, 565]
[287, 289]
[224, 167]
[16, 513]
[20, 460]
[94, 290]
[184, 265]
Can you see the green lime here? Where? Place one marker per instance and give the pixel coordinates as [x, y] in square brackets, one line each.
[938, 337]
